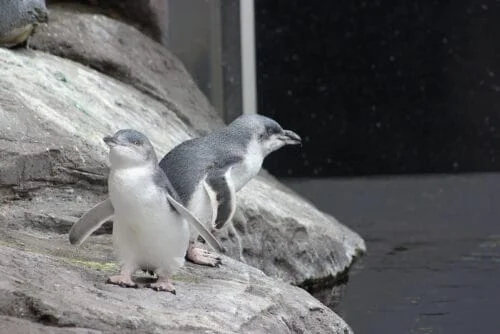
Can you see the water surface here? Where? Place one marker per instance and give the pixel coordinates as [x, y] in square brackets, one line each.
[433, 262]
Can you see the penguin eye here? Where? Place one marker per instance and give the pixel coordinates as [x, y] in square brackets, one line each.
[265, 134]
[272, 131]
[269, 131]
[136, 142]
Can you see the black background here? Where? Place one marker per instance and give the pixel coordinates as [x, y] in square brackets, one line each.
[381, 87]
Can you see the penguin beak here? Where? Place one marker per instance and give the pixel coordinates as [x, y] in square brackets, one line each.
[291, 138]
[110, 141]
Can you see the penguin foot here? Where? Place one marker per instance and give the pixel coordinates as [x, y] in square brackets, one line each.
[122, 280]
[163, 284]
[203, 257]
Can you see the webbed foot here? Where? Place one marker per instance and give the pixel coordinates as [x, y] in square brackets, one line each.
[124, 281]
[163, 284]
[203, 257]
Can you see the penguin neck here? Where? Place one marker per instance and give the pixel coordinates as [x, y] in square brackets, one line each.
[250, 166]
[120, 163]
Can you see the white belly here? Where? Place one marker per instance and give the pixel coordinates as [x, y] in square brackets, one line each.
[147, 234]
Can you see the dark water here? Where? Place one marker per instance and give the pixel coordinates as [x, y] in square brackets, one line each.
[433, 262]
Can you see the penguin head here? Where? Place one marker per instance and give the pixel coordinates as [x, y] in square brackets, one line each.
[267, 132]
[129, 148]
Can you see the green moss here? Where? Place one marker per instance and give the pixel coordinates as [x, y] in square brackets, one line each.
[60, 76]
[112, 266]
[6, 244]
[16, 245]
[82, 109]
[101, 266]
[187, 279]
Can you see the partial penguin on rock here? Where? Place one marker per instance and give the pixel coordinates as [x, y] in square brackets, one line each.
[18, 20]
[207, 171]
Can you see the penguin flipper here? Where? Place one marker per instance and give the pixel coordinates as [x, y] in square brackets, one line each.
[202, 230]
[220, 190]
[91, 221]
[173, 199]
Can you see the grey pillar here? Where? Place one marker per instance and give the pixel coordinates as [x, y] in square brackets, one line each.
[206, 36]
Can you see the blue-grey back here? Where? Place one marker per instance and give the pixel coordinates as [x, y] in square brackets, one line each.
[188, 163]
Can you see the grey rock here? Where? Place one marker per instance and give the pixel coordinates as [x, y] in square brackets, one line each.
[123, 52]
[13, 325]
[47, 286]
[287, 237]
[149, 16]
